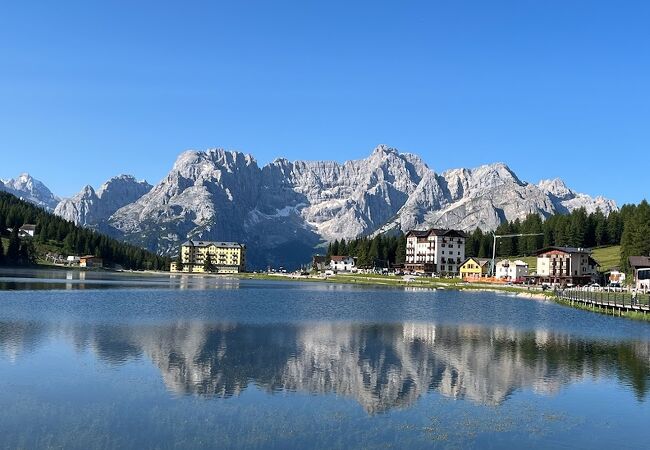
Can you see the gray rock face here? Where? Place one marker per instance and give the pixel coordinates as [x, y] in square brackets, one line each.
[283, 210]
[566, 200]
[91, 208]
[30, 189]
[484, 197]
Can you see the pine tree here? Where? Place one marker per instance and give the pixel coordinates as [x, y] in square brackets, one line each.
[400, 252]
[485, 249]
[179, 262]
[13, 249]
[473, 244]
[343, 248]
[373, 252]
[27, 252]
[335, 248]
[2, 253]
[207, 264]
[600, 228]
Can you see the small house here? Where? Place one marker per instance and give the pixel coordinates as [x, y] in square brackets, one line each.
[641, 267]
[342, 264]
[515, 271]
[27, 230]
[475, 268]
[90, 261]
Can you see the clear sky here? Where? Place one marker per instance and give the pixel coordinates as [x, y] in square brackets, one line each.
[89, 90]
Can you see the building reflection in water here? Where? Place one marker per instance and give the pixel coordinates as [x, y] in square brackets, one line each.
[382, 366]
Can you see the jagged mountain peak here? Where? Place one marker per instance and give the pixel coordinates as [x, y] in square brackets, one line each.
[92, 207]
[284, 209]
[385, 149]
[218, 157]
[86, 191]
[30, 189]
[556, 187]
[123, 183]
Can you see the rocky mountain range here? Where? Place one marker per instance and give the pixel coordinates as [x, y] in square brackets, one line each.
[286, 209]
[382, 367]
[91, 208]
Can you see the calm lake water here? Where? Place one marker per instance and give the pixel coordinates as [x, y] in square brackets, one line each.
[103, 361]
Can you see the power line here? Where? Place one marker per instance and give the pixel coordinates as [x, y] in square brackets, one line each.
[501, 236]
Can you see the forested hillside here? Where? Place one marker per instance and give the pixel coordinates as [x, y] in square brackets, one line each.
[55, 233]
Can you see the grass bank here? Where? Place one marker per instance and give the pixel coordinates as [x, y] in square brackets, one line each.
[398, 282]
[634, 315]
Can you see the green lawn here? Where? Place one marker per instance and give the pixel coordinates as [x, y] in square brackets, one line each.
[608, 257]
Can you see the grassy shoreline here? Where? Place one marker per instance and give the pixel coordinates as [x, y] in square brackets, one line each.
[398, 282]
[385, 281]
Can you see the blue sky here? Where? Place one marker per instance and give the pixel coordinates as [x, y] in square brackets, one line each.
[552, 88]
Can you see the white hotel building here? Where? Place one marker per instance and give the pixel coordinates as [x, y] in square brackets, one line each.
[436, 250]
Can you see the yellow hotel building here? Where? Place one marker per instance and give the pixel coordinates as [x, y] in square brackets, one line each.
[225, 257]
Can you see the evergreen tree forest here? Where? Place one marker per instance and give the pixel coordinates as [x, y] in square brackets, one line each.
[379, 251]
[628, 227]
[55, 232]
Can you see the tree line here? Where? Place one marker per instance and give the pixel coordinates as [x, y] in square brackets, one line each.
[378, 251]
[55, 232]
[628, 227]
[576, 229]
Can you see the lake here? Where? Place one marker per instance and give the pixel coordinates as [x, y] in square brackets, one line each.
[93, 360]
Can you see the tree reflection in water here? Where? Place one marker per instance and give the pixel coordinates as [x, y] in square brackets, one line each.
[382, 366]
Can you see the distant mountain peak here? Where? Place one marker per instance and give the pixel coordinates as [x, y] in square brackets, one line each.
[30, 189]
[297, 205]
[91, 207]
[285, 209]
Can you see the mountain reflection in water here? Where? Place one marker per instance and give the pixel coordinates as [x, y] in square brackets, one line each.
[382, 366]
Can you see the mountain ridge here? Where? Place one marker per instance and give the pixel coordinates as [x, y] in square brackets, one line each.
[285, 209]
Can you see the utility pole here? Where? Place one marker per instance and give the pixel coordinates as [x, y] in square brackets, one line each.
[501, 236]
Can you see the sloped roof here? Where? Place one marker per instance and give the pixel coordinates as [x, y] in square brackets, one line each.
[639, 261]
[564, 250]
[480, 261]
[340, 258]
[437, 232]
[220, 244]
[418, 233]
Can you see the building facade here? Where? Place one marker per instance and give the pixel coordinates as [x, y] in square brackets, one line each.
[641, 267]
[515, 271]
[211, 256]
[90, 261]
[562, 265]
[438, 251]
[342, 263]
[475, 268]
